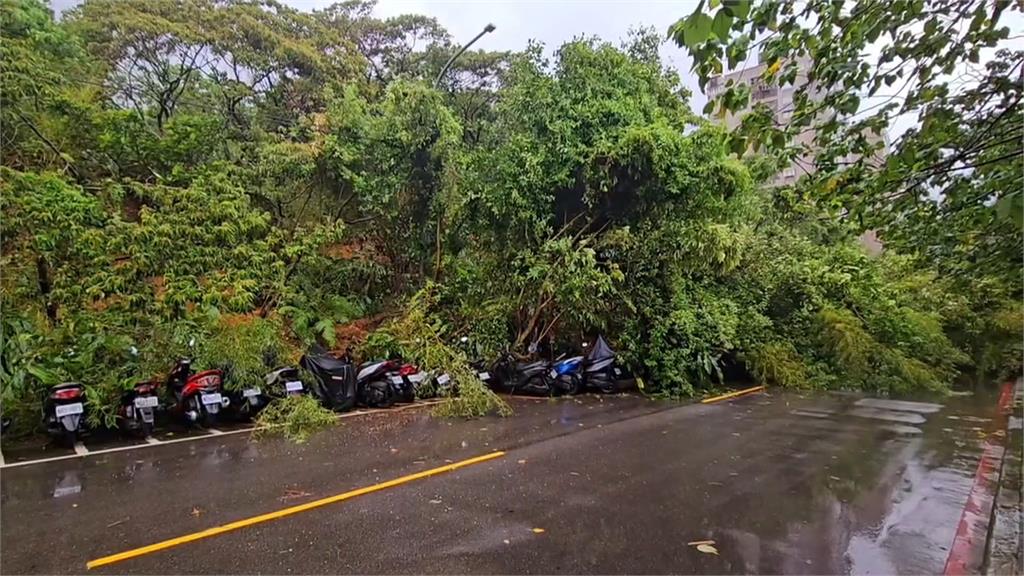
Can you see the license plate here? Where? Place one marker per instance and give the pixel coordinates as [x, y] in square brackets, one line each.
[209, 399]
[251, 392]
[69, 409]
[293, 386]
[396, 379]
[553, 374]
[484, 376]
[443, 379]
[418, 377]
[146, 402]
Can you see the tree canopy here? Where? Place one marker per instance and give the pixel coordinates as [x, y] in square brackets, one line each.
[263, 178]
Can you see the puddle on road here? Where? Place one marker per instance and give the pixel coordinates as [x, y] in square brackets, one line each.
[900, 405]
[888, 415]
[917, 515]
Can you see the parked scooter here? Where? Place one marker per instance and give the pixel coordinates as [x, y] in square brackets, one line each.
[409, 379]
[247, 402]
[196, 397]
[375, 383]
[335, 379]
[63, 411]
[523, 377]
[565, 376]
[284, 382]
[486, 372]
[137, 412]
[599, 369]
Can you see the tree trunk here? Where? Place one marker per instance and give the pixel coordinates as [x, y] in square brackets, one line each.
[45, 285]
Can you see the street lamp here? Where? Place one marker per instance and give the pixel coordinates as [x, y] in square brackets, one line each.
[488, 28]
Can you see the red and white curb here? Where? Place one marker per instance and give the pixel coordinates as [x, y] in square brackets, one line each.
[967, 554]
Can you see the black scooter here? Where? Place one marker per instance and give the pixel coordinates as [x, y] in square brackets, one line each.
[137, 412]
[63, 411]
[523, 377]
[486, 372]
[334, 379]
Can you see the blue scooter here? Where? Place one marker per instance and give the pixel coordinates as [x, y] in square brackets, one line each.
[566, 376]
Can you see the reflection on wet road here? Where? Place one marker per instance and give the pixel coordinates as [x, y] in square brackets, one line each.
[782, 483]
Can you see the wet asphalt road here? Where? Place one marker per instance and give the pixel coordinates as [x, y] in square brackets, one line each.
[782, 483]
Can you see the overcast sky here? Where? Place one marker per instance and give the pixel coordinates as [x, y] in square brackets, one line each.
[551, 22]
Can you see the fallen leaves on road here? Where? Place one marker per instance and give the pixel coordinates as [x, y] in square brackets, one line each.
[292, 494]
[538, 530]
[707, 549]
[196, 512]
[705, 546]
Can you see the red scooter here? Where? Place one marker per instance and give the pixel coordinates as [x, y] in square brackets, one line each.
[197, 397]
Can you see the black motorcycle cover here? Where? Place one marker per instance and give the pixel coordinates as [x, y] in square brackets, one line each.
[600, 351]
[335, 379]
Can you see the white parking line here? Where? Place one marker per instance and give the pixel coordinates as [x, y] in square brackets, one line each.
[153, 442]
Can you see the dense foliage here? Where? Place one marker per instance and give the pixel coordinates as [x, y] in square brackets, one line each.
[259, 178]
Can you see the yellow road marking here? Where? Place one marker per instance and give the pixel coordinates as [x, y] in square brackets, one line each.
[286, 511]
[732, 394]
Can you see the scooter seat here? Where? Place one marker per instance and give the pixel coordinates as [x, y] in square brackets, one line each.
[531, 366]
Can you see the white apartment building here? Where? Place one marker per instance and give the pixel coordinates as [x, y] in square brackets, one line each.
[778, 98]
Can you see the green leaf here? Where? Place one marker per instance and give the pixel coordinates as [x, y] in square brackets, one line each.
[1010, 208]
[696, 29]
[720, 26]
[737, 8]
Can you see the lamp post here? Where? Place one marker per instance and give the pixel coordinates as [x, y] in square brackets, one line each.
[437, 255]
[488, 28]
